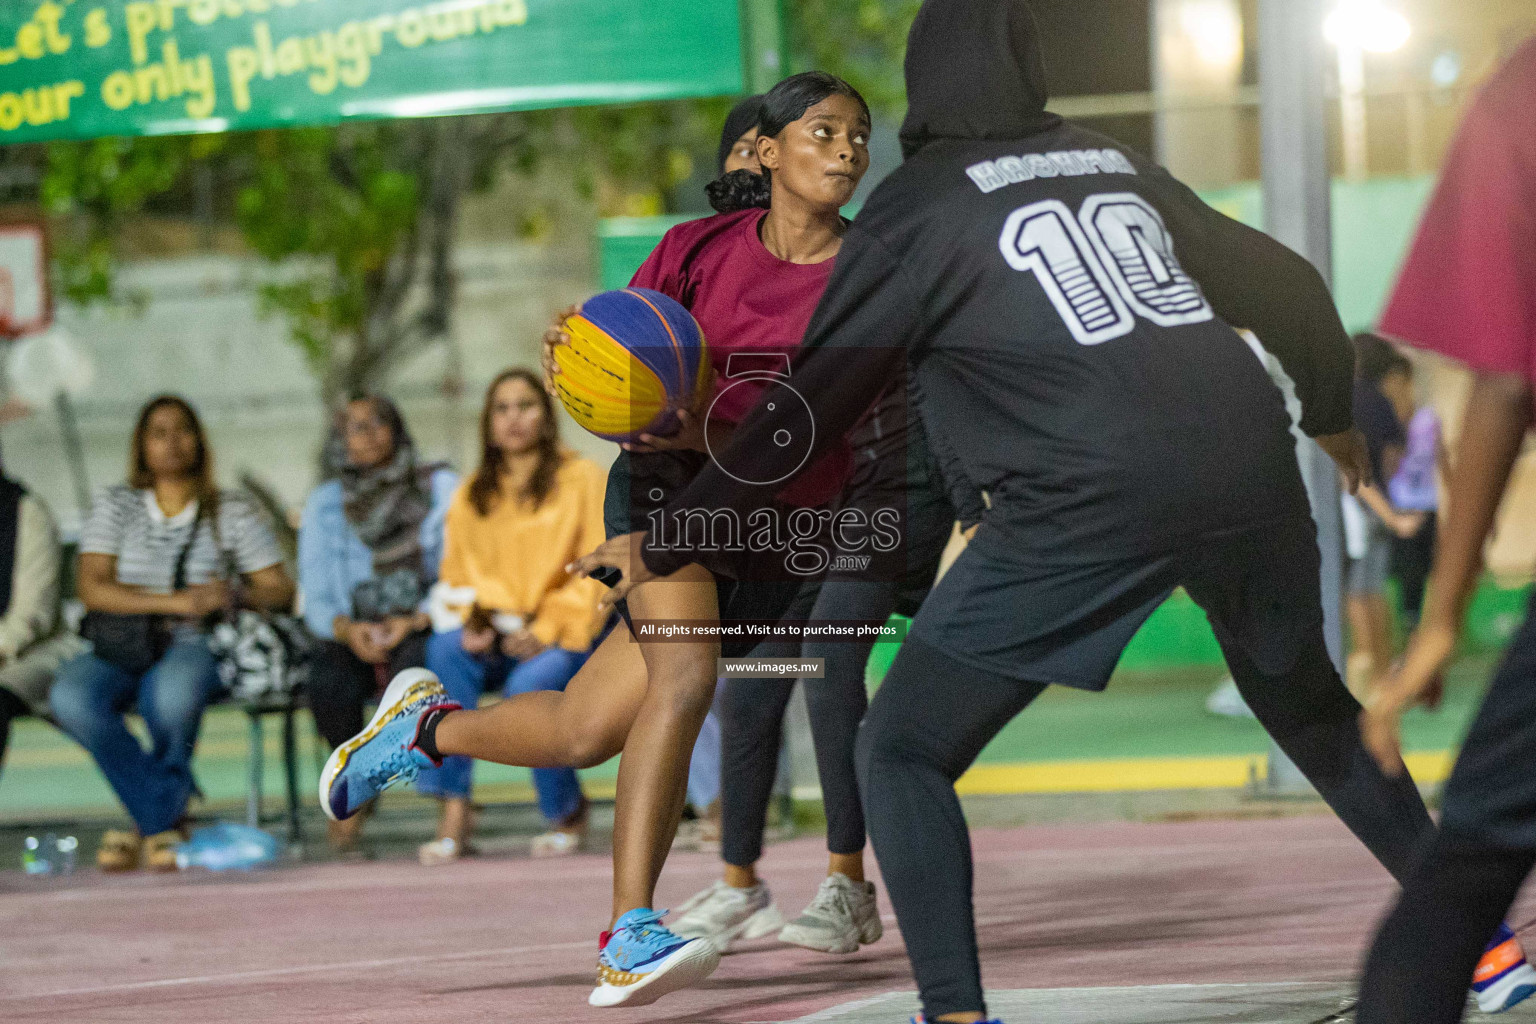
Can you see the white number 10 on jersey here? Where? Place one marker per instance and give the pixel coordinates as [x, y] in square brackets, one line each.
[1104, 267]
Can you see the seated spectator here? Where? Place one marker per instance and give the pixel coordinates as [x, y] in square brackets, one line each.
[152, 558]
[512, 616]
[33, 642]
[370, 541]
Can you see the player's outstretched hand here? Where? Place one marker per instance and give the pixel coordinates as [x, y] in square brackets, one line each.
[554, 337]
[621, 553]
[1348, 451]
[1417, 680]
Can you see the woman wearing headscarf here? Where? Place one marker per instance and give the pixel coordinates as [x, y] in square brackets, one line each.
[370, 543]
[738, 140]
[1066, 307]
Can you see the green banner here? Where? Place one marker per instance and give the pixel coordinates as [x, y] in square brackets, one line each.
[85, 68]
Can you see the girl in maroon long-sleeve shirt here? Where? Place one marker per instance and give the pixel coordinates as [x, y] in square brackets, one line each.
[752, 279]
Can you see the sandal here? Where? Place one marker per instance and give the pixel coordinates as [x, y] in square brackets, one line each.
[119, 850]
[160, 850]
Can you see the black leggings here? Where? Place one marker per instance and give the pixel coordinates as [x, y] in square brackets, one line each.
[1426, 951]
[752, 718]
[932, 717]
[1411, 562]
[340, 684]
[1423, 958]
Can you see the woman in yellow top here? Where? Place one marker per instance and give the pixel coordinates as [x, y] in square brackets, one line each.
[507, 613]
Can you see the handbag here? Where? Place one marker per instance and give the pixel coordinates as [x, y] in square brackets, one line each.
[135, 642]
[381, 597]
[261, 654]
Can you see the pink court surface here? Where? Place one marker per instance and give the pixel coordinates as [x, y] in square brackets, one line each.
[1232, 921]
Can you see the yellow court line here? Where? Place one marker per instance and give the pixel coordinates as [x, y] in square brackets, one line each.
[1120, 775]
[1107, 775]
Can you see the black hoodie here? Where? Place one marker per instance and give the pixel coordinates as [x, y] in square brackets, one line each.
[974, 71]
[1068, 309]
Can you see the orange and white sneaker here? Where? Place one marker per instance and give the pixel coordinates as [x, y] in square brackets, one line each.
[1504, 978]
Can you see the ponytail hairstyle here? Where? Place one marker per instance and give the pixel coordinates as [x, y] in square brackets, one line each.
[739, 190]
[782, 106]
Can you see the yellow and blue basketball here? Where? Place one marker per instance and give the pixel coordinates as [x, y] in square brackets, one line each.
[636, 357]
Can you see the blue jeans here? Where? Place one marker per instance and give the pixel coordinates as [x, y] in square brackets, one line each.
[90, 696]
[466, 676]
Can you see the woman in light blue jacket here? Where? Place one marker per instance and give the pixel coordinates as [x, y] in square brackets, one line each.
[370, 544]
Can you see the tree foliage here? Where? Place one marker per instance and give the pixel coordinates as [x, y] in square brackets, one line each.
[91, 189]
[359, 219]
[862, 41]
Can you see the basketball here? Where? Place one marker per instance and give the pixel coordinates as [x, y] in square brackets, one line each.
[635, 358]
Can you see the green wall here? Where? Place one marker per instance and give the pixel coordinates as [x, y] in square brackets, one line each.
[1373, 223]
[623, 243]
[1177, 634]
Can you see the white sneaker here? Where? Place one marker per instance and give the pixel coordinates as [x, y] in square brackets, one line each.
[701, 835]
[1227, 702]
[842, 917]
[444, 850]
[555, 843]
[722, 914]
[687, 837]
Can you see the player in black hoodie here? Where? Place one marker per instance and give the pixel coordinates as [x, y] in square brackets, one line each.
[1068, 309]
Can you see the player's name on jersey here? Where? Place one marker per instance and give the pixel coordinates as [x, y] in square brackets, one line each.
[991, 175]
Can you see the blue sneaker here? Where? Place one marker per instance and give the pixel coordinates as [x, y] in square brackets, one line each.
[641, 961]
[385, 752]
[1504, 978]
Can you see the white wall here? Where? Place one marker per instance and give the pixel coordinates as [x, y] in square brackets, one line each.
[200, 335]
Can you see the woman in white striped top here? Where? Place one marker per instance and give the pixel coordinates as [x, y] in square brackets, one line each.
[169, 512]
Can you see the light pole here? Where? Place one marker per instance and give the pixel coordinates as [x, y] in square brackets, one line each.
[1355, 28]
[1298, 212]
